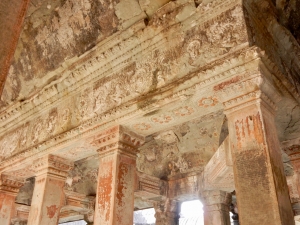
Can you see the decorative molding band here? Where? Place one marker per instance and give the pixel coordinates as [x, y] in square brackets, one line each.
[236, 63]
[10, 184]
[293, 152]
[149, 187]
[210, 75]
[117, 138]
[53, 165]
[94, 64]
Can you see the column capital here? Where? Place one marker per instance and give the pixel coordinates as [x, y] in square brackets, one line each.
[293, 151]
[10, 184]
[255, 87]
[166, 211]
[215, 197]
[52, 165]
[118, 138]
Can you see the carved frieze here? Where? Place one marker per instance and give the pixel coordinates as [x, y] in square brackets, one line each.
[102, 84]
[51, 164]
[117, 138]
[10, 184]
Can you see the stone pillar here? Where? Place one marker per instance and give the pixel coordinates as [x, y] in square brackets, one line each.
[116, 177]
[235, 215]
[166, 212]
[9, 188]
[48, 194]
[216, 207]
[262, 192]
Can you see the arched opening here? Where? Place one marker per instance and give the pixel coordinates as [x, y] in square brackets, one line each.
[191, 213]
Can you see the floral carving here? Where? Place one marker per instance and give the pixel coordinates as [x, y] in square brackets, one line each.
[142, 126]
[85, 104]
[207, 102]
[184, 111]
[162, 119]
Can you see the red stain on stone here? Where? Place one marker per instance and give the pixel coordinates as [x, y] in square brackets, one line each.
[105, 188]
[250, 128]
[258, 129]
[123, 171]
[51, 210]
[226, 83]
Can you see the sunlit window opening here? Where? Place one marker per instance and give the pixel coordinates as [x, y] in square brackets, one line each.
[191, 213]
[144, 217]
[79, 222]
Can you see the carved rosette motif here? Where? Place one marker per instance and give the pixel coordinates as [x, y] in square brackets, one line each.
[52, 165]
[118, 138]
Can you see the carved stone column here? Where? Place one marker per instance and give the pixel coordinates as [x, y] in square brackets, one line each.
[9, 188]
[262, 192]
[166, 212]
[48, 194]
[216, 207]
[116, 177]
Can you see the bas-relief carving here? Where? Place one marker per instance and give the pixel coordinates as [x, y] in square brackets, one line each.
[218, 37]
[58, 31]
[111, 92]
[83, 177]
[184, 148]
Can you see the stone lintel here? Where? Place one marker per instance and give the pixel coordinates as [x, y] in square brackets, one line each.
[52, 165]
[292, 182]
[292, 149]
[78, 202]
[218, 172]
[185, 188]
[210, 198]
[22, 212]
[149, 187]
[118, 138]
[70, 215]
[10, 184]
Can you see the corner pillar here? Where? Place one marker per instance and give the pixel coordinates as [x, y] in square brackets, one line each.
[166, 212]
[48, 194]
[116, 177]
[261, 187]
[9, 188]
[216, 207]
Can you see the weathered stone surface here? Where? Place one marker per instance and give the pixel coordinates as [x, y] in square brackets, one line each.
[216, 207]
[196, 79]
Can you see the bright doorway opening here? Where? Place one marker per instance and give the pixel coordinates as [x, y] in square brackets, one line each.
[191, 213]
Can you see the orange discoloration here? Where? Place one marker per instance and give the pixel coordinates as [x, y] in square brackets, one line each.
[51, 210]
[226, 83]
[258, 129]
[123, 171]
[105, 188]
[249, 130]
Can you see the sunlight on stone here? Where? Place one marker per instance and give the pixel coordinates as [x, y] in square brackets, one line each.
[191, 213]
[80, 222]
[143, 217]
